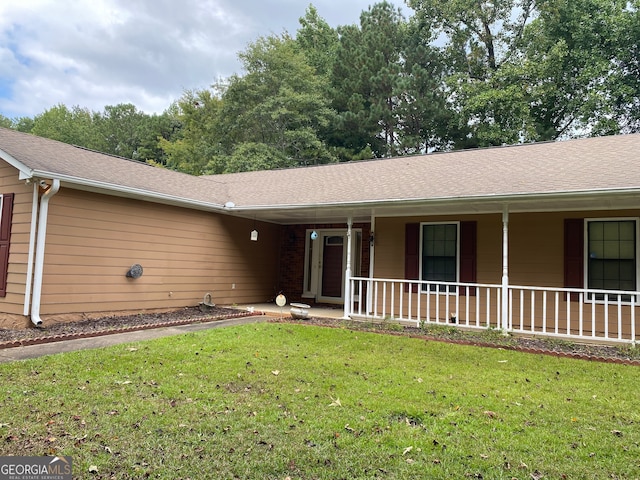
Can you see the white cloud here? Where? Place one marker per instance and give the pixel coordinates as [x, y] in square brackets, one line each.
[146, 52]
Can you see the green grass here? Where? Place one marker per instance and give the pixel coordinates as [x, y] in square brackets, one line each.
[271, 401]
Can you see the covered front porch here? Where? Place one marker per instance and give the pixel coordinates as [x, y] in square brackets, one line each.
[550, 265]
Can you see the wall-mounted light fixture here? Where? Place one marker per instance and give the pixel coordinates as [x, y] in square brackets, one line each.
[254, 232]
[135, 271]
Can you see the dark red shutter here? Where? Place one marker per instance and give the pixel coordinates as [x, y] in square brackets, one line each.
[5, 237]
[412, 253]
[574, 254]
[468, 254]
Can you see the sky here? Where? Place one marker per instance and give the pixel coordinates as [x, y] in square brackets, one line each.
[93, 53]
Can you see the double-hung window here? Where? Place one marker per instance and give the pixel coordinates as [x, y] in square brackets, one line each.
[439, 252]
[612, 255]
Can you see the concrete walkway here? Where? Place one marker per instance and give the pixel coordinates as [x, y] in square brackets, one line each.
[40, 350]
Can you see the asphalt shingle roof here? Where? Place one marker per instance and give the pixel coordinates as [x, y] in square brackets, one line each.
[56, 159]
[592, 164]
[601, 163]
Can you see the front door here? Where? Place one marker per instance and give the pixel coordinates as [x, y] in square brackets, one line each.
[332, 262]
[326, 263]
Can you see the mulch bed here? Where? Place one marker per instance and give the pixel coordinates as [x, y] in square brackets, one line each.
[624, 354]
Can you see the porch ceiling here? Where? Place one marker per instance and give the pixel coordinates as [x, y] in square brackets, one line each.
[363, 212]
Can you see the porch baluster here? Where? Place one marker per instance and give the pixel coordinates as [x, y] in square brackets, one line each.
[581, 314]
[593, 317]
[544, 311]
[619, 317]
[557, 313]
[533, 310]
[606, 316]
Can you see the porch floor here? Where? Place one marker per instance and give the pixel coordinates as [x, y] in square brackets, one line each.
[273, 310]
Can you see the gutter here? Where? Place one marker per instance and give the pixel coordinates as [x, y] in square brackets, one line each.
[129, 192]
[513, 198]
[40, 244]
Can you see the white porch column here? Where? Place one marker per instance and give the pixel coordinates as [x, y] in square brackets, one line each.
[505, 269]
[347, 272]
[372, 251]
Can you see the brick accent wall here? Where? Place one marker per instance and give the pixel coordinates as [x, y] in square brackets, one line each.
[292, 243]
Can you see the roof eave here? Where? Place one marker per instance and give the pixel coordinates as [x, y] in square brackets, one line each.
[25, 172]
[124, 191]
[521, 202]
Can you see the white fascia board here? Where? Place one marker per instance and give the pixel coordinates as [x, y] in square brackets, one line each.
[503, 198]
[133, 192]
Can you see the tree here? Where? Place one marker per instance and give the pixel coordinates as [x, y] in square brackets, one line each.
[197, 144]
[73, 126]
[250, 156]
[578, 66]
[318, 41]
[486, 96]
[279, 102]
[368, 83]
[625, 83]
[425, 118]
[6, 122]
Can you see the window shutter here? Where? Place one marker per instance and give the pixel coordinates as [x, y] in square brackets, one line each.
[412, 253]
[574, 254]
[468, 254]
[5, 237]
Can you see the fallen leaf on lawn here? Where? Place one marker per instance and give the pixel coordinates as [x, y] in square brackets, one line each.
[537, 475]
[3, 425]
[409, 460]
[93, 469]
[407, 450]
[275, 372]
[50, 439]
[502, 361]
[419, 380]
[617, 433]
[490, 414]
[132, 349]
[335, 402]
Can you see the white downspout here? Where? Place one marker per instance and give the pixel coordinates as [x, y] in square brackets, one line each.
[347, 273]
[40, 243]
[32, 249]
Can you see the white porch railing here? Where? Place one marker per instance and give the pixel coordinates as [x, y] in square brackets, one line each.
[599, 315]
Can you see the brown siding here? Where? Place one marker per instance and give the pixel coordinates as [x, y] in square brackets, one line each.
[390, 245]
[536, 245]
[92, 241]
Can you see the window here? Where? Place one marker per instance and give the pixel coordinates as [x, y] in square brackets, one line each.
[440, 252]
[611, 249]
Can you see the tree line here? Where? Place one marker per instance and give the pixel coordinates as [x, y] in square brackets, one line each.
[454, 75]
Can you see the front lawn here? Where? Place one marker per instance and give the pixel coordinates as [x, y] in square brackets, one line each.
[277, 401]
